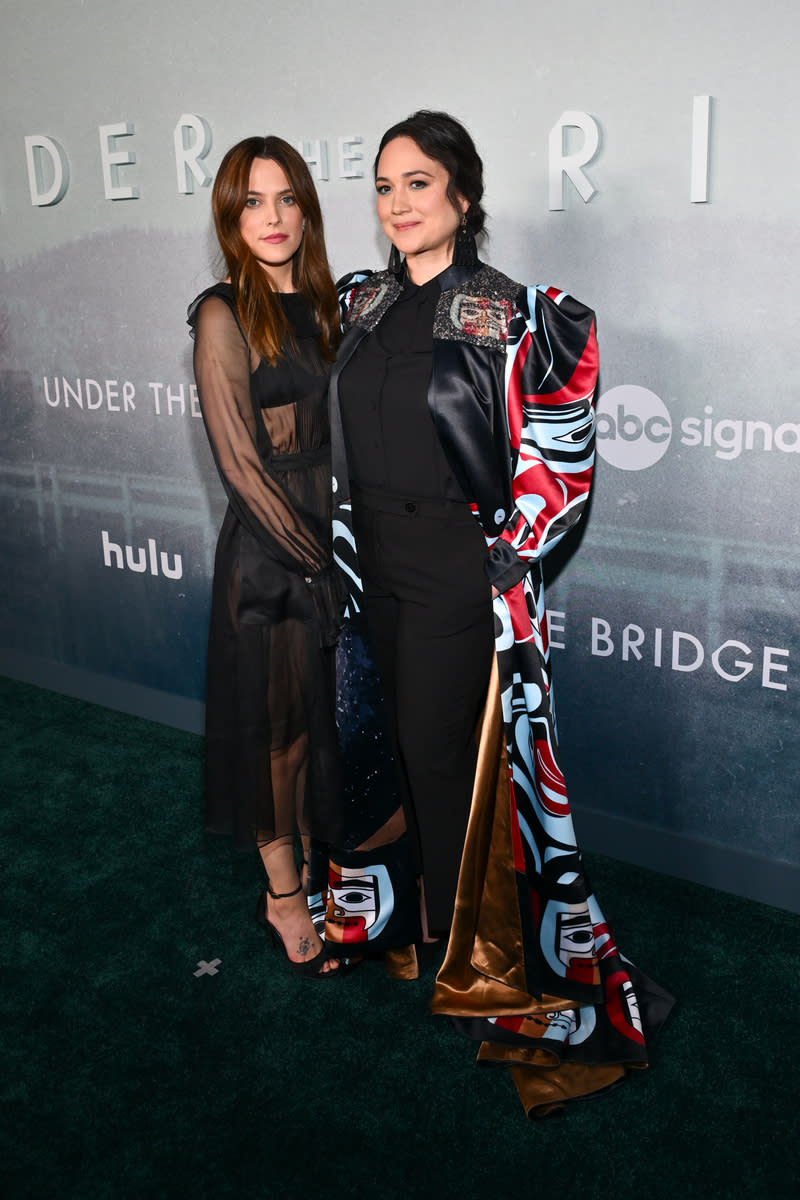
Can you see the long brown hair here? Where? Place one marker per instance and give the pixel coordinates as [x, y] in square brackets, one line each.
[257, 304]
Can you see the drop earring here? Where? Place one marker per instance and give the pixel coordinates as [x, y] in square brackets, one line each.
[395, 261]
[465, 249]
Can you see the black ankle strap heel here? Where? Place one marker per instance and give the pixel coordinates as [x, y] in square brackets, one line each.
[311, 968]
[283, 895]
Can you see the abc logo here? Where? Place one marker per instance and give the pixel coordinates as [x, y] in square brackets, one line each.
[633, 427]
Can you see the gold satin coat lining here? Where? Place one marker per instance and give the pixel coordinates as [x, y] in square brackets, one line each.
[483, 973]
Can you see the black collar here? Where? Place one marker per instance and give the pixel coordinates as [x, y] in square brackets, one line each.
[451, 277]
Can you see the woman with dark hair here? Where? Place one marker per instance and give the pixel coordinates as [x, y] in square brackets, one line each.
[463, 443]
[264, 341]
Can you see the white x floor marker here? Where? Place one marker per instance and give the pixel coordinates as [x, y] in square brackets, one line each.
[208, 968]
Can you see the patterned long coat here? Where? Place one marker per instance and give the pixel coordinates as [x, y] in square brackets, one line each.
[532, 970]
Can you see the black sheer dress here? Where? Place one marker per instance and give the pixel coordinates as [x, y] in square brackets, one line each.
[271, 759]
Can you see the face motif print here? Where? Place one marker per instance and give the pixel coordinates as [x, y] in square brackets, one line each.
[568, 941]
[360, 902]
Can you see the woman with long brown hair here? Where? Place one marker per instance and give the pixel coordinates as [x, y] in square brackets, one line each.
[264, 341]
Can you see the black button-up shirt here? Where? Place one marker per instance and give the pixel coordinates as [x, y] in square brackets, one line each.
[389, 432]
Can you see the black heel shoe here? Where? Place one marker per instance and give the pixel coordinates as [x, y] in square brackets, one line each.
[310, 968]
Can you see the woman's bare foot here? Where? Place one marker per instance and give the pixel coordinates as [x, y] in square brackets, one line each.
[286, 906]
[290, 917]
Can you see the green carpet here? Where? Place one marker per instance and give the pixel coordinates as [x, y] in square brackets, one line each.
[126, 1075]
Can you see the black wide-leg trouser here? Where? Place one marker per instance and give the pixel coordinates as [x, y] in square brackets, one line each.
[429, 610]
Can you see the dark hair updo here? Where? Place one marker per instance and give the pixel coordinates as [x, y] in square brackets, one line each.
[444, 139]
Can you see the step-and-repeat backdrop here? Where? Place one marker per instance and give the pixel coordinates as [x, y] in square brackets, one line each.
[642, 160]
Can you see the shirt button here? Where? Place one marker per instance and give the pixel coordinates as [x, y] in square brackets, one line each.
[411, 507]
[499, 516]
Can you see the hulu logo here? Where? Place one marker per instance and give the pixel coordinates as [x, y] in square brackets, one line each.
[141, 558]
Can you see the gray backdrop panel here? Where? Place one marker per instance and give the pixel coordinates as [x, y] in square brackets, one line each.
[108, 498]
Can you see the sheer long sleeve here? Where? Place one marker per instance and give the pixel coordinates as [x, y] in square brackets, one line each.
[222, 372]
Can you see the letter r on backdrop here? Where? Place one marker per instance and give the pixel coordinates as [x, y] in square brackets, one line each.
[560, 164]
[192, 142]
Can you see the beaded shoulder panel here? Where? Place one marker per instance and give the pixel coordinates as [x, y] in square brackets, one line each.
[372, 298]
[478, 311]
